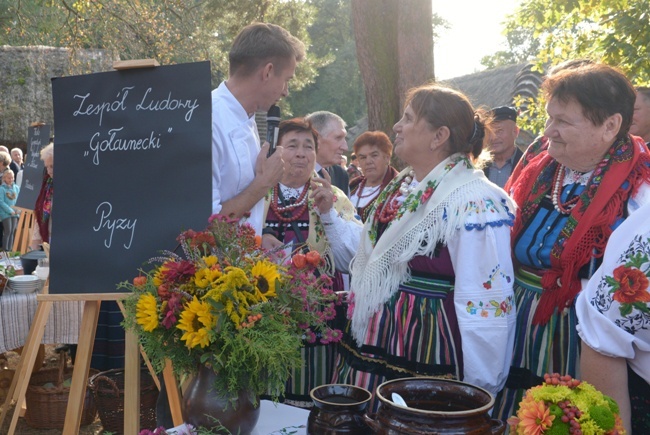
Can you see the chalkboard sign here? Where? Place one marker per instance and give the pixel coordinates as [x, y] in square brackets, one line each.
[37, 137]
[132, 170]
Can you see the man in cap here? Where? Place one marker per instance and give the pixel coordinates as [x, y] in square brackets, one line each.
[505, 154]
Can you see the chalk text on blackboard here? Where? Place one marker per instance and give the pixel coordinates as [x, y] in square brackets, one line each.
[168, 103]
[99, 109]
[116, 143]
[106, 223]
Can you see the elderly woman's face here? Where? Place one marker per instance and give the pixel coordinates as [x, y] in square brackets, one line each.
[373, 162]
[574, 140]
[49, 166]
[299, 157]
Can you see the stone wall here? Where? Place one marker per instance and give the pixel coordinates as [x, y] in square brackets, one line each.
[26, 89]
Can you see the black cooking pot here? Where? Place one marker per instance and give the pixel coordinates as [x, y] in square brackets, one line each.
[30, 261]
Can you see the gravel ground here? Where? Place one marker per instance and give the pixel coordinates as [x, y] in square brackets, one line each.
[51, 361]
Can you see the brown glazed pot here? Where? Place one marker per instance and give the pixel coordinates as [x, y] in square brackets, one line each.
[435, 406]
[203, 406]
[338, 409]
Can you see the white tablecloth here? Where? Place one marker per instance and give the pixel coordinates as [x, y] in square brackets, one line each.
[17, 313]
[275, 419]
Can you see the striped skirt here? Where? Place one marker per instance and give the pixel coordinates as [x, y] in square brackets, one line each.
[539, 349]
[414, 334]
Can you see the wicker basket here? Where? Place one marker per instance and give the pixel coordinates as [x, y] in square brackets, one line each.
[46, 407]
[108, 389]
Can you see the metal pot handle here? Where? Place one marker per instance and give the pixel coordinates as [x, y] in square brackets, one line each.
[498, 427]
[368, 418]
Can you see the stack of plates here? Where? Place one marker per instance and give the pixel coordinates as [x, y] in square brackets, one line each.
[24, 283]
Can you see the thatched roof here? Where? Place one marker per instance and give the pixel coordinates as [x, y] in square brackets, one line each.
[491, 88]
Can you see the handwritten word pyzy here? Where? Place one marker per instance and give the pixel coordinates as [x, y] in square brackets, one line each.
[109, 225]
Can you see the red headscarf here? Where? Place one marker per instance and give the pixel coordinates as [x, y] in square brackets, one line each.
[589, 225]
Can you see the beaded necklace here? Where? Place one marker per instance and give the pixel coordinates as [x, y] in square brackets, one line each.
[289, 212]
[556, 192]
[389, 210]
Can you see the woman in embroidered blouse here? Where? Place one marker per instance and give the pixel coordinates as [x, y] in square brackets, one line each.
[614, 322]
[420, 302]
[373, 150]
[43, 207]
[572, 187]
[311, 205]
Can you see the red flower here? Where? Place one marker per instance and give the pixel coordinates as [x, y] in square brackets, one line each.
[178, 271]
[426, 195]
[633, 286]
[487, 285]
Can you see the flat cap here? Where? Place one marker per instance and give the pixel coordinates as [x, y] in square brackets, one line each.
[504, 112]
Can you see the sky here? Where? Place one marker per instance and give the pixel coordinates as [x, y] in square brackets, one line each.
[476, 27]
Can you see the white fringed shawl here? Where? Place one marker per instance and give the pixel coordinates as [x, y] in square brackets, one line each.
[463, 192]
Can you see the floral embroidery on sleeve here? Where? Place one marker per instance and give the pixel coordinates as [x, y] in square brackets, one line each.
[496, 271]
[627, 288]
[483, 308]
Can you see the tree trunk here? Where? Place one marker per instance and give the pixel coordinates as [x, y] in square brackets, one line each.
[375, 30]
[414, 45]
[394, 40]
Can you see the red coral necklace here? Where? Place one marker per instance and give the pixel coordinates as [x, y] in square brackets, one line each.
[289, 212]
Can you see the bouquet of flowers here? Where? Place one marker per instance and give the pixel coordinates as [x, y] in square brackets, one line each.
[225, 304]
[562, 405]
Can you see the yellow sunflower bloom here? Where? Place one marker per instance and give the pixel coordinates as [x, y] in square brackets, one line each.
[197, 322]
[266, 275]
[146, 312]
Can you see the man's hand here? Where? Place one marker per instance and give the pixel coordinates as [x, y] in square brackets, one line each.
[269, 170]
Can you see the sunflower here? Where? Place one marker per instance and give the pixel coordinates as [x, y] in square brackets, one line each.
[206, 276]
[146, 312]
[197, 322]
[266, 275]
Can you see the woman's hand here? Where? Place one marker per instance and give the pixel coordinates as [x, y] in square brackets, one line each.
[321, 193]
[270, 242]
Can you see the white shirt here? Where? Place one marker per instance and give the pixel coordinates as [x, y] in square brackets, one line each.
[235, 146]
[607, 323]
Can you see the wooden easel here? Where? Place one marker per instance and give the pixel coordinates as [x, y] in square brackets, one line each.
[23, 236]
[81, 369]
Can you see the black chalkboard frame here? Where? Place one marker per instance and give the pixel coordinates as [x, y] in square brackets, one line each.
[115, 209]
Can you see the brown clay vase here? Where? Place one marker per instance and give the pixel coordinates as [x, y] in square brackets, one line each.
[205, 407]
[338, 409]
[434, 406]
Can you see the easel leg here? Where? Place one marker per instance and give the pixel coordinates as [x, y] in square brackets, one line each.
[144, 355]
[132, 384]
[81, 367]
[173, 395]
[26, 364]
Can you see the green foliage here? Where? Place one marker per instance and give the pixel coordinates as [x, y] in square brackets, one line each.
[338, 86]
[612, 31]
[170, 31]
